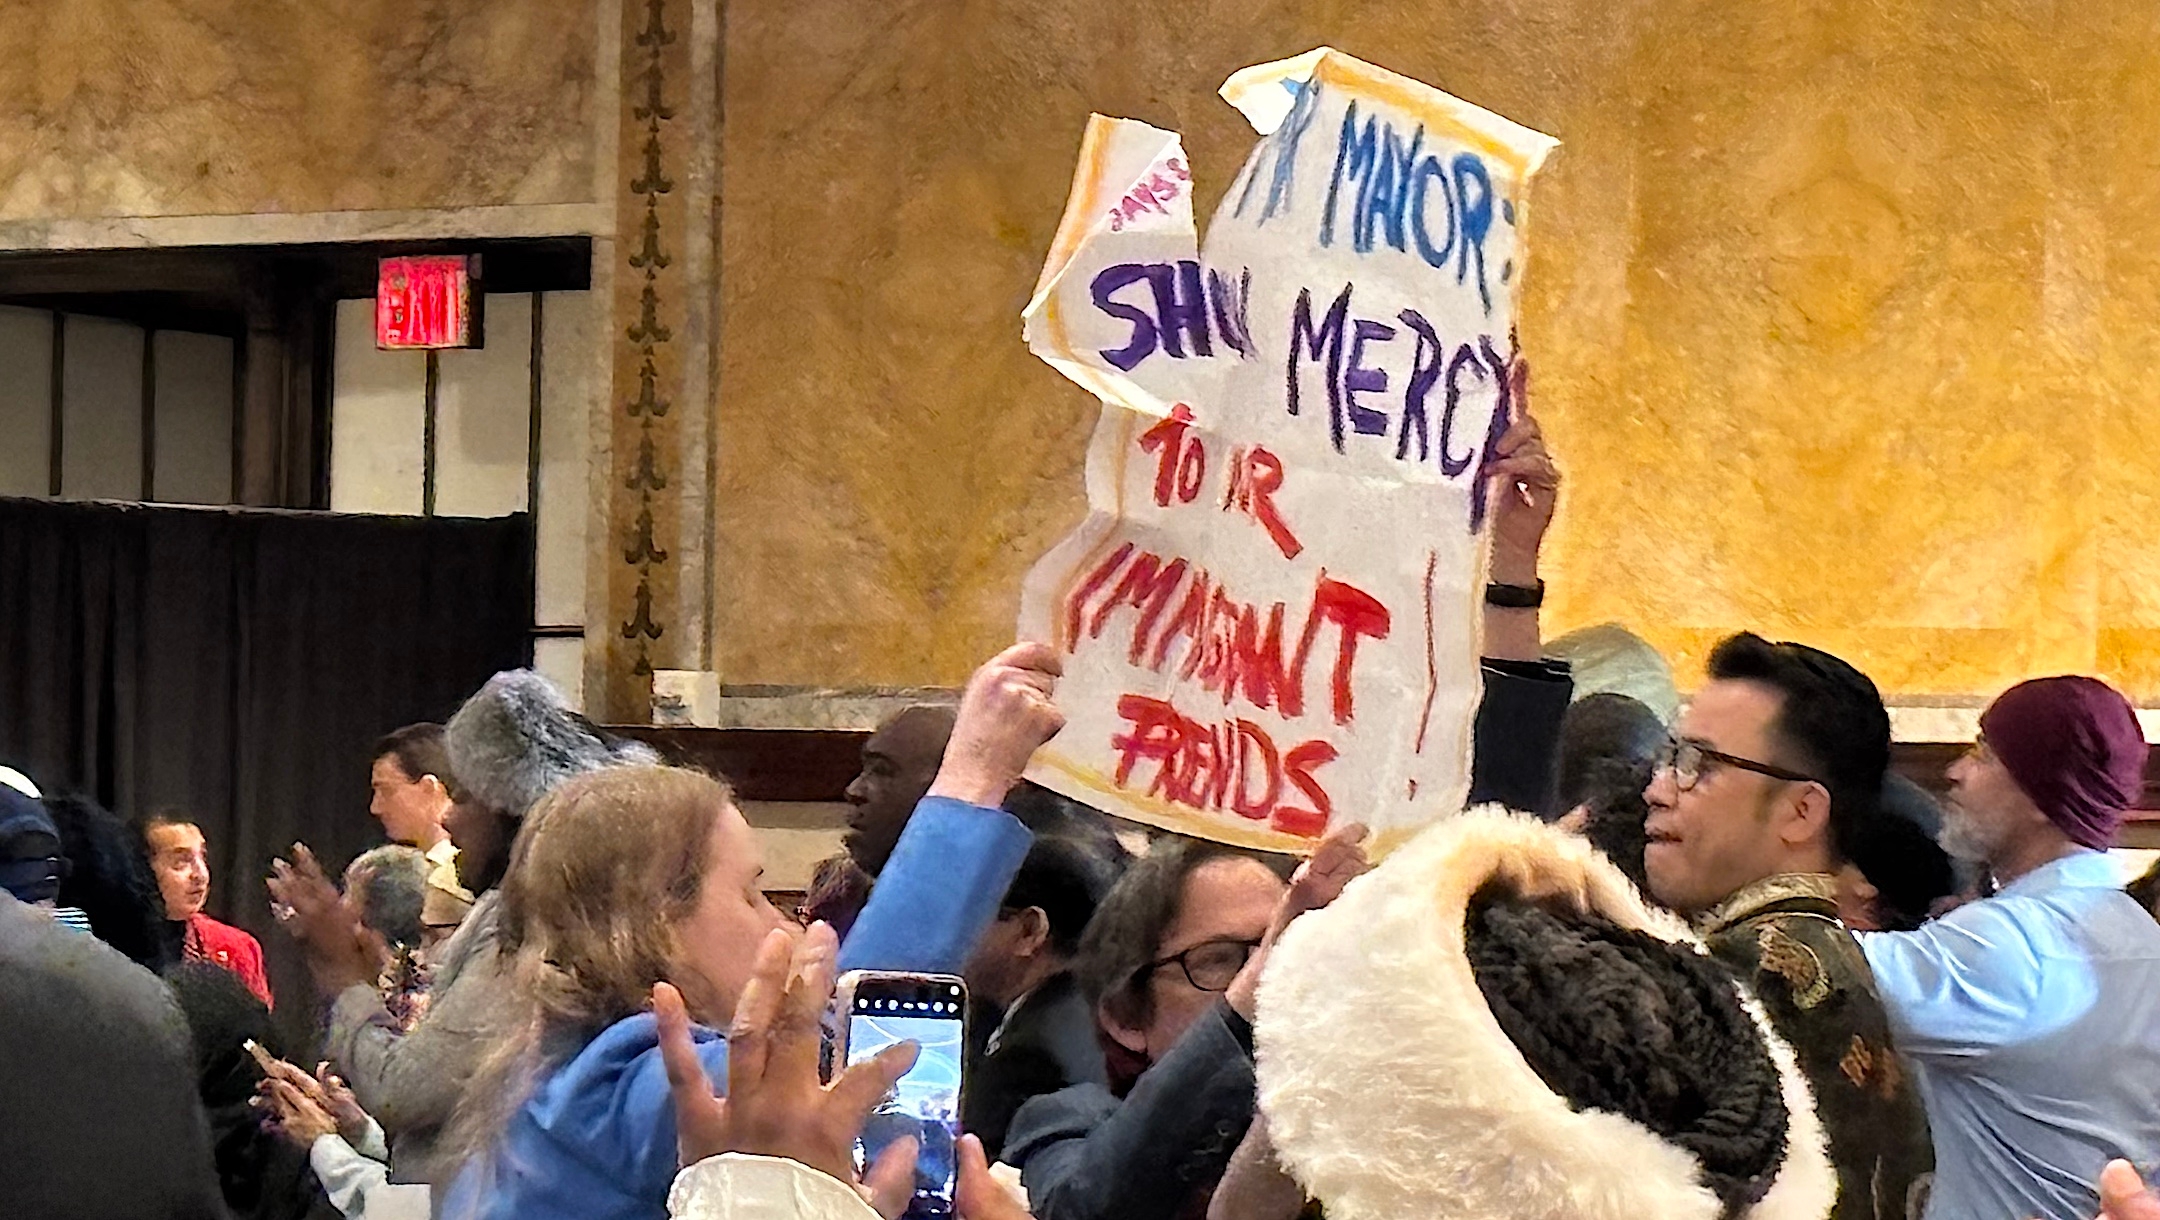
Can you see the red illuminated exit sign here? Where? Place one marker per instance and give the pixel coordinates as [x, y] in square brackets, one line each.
[427, 301]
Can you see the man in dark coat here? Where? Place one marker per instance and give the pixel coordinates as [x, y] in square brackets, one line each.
[1777, 760]
[1036, 1031]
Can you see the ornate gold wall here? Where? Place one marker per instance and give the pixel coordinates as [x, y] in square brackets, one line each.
[191, 107]
[1842, 315]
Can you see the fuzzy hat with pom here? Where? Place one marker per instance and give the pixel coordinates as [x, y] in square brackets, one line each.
[516, 738]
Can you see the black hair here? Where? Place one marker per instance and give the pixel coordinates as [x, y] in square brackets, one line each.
[1075, 860]
[1127, 931]
[163, 815]
[258, 1172]
[1067, 879]
[1606, 740]
[1897, 853]
[418, 750]
[1618, 1020]
[1053, 813]
[1831, 723]
[109, 879]
[222, 1015]
[1615, 826]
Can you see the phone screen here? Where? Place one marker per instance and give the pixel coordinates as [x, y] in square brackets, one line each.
[926, 1102]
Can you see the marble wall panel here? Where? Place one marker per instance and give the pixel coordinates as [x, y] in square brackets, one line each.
[1842, 315]
[194, 107]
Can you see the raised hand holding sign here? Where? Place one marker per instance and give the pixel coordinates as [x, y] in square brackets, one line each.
[1269, 619]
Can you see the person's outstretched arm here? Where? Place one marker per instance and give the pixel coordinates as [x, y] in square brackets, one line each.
[1517, 733]
[947, 877]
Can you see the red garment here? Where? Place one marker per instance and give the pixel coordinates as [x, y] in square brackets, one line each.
[227, 946]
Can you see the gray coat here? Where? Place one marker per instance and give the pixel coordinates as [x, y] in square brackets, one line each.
[411, 1082]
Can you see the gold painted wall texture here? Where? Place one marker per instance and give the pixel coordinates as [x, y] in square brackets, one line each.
[195, 107]
[1843, 315]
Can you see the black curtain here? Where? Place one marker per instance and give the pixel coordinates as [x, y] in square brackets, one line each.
[239, 664]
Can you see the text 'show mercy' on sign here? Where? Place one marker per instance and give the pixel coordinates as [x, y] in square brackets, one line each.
[1269, 617]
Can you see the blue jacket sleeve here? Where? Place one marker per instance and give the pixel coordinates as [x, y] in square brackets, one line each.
[939, 891]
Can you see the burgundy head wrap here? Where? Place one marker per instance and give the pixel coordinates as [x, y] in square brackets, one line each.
[2074, 745]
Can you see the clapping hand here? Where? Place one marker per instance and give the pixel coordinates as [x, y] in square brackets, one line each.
[339, 951]
[284, 1087]
[775, 1105]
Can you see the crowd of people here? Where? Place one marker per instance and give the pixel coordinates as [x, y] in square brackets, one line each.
[1716, 965]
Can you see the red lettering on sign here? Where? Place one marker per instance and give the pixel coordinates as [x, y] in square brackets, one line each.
[1169, 436]
[1301, 762]
[1262, 483]
[1146, 586]
[1255, 477]
[1359, 614]
[1233, 764]
[1076, 607]
[1227, 647]
[1242, 802]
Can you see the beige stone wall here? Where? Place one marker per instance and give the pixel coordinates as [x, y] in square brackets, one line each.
[1842, 315]
[193, 107]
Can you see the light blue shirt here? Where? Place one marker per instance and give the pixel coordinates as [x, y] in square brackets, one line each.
[2033, 1021]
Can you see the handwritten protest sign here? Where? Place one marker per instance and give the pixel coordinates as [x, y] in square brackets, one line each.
[1269, 618]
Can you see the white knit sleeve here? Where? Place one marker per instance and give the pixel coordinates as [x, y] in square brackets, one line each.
[734, 1186]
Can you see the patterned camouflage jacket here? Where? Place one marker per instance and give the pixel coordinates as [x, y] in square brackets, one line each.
[1783, 936]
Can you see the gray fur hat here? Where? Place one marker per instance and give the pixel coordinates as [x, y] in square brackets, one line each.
[516, 738]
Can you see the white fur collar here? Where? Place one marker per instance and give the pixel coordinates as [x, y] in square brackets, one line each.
[1392, 1093]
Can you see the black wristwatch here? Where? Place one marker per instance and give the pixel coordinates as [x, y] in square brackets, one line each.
[1515, 597]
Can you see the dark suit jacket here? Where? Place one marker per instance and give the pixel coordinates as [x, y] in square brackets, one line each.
[1782, 936]
[1085, 1154]
[1046, 1042]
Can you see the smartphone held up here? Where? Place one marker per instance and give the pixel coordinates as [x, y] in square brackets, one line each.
[876, 1009]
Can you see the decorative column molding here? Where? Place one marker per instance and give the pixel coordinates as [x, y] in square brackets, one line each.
[660, 344]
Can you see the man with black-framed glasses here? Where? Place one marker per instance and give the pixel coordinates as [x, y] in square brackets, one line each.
[1772, 765]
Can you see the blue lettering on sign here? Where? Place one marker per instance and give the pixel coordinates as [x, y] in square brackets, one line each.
[1346, 350]
[1231, 320]
[1424, 371]
[1465, 358]
[1421, 220]
[1142, 344]
[1476, 219]
[1392, 198]
[1321, 342]
[1279, 153]
[1504, 372]
[1362, 378]
[1186, 299]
